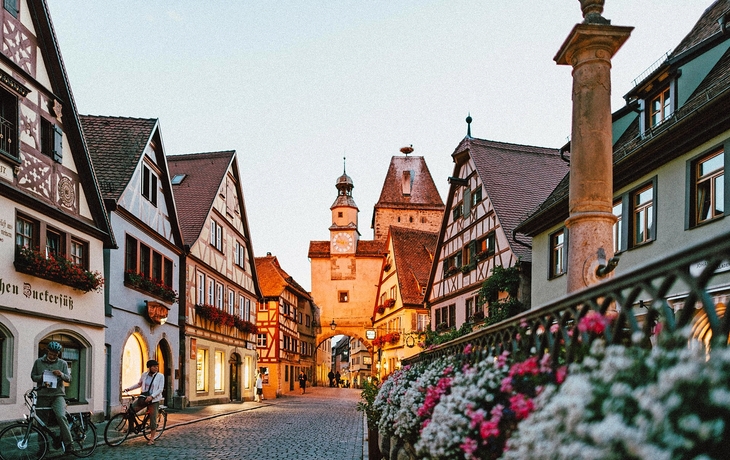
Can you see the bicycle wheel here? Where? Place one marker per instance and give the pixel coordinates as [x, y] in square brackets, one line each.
[117, 430]
[84, 438]
[20, 441]
[161, 423]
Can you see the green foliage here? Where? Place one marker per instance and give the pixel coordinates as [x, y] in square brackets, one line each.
[502, 280]
[436, 337]
[368, 394]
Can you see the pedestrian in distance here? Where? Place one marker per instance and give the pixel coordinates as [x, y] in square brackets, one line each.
[337, 379]
[331, 376]
[152, 384]
[50, 372]
[302, 381]
[259, 388]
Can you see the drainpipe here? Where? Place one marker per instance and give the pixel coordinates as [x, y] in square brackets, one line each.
[589, 49]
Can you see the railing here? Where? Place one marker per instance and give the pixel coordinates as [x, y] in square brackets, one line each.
[673, 291]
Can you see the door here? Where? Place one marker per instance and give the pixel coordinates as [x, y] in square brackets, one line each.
[235, 371]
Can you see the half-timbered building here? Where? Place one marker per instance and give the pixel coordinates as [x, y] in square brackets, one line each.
[143, 275]
[492, 186]
[286, 336]
[221, 288]
[53, 226]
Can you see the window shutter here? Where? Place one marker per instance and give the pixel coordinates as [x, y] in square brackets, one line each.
[467, 201]
[57, 144]
[414, 321]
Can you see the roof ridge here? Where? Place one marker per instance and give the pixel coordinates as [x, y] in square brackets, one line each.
[118, 117]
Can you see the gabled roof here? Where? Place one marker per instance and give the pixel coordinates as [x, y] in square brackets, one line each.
[273, 280]
[205, 173]
[703, 116]
[706, 27]
[516, 178]
[116, 145]
[413, 253]
[423, 193]
[60, 86]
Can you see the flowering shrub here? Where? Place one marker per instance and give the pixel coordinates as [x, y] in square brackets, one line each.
[671, 402]
[390, 303]
[153, 286]
[57, 268]
[391, 338]
[223, 318]
[421, 397]
[388, 400]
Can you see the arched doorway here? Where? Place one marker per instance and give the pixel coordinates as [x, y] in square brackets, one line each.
[134, 359]
[235, 376]
[163, 355]
[74, 352]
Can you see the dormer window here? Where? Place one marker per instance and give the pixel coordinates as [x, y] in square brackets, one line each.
[660, 108]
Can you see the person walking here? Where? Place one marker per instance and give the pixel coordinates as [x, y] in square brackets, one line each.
[331, 376]
[337, 379]
[50, 372]
[259, 388]
[302, 381]
[152, 384]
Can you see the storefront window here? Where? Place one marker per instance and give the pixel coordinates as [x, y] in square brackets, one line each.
[202, 370]
[132, 361]
[74, 353]
[219, 372]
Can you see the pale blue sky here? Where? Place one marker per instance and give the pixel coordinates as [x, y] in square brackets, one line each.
[293, 86]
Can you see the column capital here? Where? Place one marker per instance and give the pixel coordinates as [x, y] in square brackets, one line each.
[585, 37]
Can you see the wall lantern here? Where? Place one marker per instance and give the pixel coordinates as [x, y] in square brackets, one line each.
[333, 325]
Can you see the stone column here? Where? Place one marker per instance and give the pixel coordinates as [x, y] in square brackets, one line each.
[589, 49]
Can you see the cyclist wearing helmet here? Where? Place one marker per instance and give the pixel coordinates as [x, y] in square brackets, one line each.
[50, 372]
[152, 384]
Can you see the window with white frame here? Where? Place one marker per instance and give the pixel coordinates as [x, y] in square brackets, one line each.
[642, 213]
[216, 235]
[149, 184]
[618, 232]
[707, 201]
[231, 302]
[201, 288]
[240, 255]
[211, 292]
[219, 371]
[422, 322]
[219, 296]
[261, 340]
[557, 253]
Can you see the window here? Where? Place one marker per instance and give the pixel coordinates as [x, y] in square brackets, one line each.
[485, 246]
[446, 315]
[51, 140]
[216, 235]
[457, 211]
[149, 184]
[76, 355]
[231, 301]
[240, 255]
[11, 6]
[618, 231]
[660, 108]
[8, 124]
[343, 296]
[247, 309]
[140, 258]
[308, 321]
[39, 236]
[201, 370]
[393, 293]
[557, 253]
[708, 191]
[263, 306]
[261, 340]
[219, 296]
[218, 372]
[469, 253]
[211, 292]
[642, 214]
[422, 322]
[469, 308]
[476, 196]
[201, 288]
[452, 262]
[177, 179]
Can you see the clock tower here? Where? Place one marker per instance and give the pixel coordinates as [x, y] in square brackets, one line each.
[343, 231]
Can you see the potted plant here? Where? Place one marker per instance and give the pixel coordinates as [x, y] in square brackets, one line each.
[57, 268]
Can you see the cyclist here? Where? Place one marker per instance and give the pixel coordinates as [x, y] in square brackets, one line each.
[152, 384]
[50, 372]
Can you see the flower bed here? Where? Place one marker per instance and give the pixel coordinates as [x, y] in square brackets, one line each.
[57, 268]
[669, 402]
[152, 286]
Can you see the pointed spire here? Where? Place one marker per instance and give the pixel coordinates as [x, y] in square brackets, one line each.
[468, 125]
[344, 165]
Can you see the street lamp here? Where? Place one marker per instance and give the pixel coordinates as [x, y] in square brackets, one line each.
[333, 325]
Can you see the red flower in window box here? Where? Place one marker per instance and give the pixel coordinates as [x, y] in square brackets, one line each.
[58, 269]
[381, 309]
[152, 286]
[390, 303]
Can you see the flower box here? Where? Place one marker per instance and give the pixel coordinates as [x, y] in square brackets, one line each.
[151, 286]
[390, 303]
[223, 318]
[451, 271]
[381, 309]
[58, 269]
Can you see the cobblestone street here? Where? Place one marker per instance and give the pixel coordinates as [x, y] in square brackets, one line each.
[322, 424]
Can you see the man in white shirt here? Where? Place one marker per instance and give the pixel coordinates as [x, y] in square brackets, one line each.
[152, 384]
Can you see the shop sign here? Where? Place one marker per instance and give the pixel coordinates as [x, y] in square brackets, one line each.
[697, 268]
[157, 312]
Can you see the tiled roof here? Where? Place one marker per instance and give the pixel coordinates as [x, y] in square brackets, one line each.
[423, 194]
[706, 27]
[116, 145]
[365, 248]
[516, 179]
[273, 280]
[413, 252]
[631, 143]
[194, 197]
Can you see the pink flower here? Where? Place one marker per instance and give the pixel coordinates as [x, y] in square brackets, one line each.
[467, 349]
[521, 405]
[502, 359]
[554, 328]
[560, 374]
[593, 322]
[469, 446]
[489, 429]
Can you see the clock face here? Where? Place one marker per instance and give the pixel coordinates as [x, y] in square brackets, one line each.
[342, 242]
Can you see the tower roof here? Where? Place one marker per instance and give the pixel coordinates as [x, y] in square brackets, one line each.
[408, 184]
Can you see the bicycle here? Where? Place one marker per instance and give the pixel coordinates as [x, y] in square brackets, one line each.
[28, 439]
[130, 422]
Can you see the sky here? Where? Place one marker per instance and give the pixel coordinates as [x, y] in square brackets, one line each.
[296, 86]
